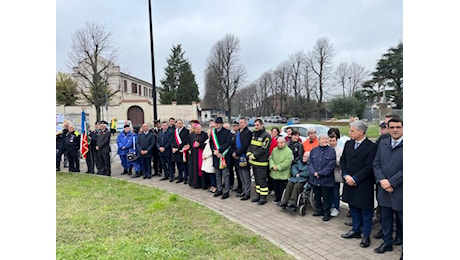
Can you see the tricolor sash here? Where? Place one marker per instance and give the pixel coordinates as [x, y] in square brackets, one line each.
[179, 142]
[222, 162]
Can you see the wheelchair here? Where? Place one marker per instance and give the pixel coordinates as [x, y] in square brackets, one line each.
[304, 199]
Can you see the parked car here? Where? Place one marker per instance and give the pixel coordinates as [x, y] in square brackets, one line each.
[283, 120]
[276, 119]
[320, 129]
[253, 119]
[293, 120]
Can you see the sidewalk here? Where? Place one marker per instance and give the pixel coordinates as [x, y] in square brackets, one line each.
[304, 237]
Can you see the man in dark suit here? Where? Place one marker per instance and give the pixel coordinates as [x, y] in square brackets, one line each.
[156, 154]
[242, 140]
[356, 164]
[144, 145]
[164, 149]
[103, 149]
[220, 143]
[388, 169]
[179, 145]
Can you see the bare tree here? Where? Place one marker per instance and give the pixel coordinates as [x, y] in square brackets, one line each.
[296, 62]
[226, 66]
[341, 76]
[282, 80]
[92, 57]
[358, 74]
[320, 61]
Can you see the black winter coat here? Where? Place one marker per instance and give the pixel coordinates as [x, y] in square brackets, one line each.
[359, 164]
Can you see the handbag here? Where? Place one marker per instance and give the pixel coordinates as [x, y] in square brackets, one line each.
[132, 156]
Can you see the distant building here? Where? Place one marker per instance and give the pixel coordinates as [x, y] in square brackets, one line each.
[133, 101]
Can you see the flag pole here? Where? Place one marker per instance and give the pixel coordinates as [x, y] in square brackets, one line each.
[154, 91]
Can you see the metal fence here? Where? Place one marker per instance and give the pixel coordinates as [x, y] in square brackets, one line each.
[372, 115]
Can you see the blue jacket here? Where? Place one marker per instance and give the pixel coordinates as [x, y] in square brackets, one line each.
[299, 168]
[322, 160]
[124, 142]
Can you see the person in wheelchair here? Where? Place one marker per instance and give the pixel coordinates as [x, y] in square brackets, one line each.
[295, 185]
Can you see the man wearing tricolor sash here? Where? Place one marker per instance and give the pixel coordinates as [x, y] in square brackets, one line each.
[221, 140]
[179, 144]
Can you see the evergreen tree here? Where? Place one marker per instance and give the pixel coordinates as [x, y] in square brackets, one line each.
[66, 90]
[179, 82]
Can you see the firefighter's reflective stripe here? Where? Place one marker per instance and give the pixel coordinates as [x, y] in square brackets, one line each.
[258, 163]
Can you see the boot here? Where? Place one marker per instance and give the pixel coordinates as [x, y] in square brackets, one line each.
[124, 172]
[262, 200]
[257, 198]
[130, 170]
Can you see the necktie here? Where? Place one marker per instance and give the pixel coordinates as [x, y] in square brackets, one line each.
[394, 143]
[356, 145]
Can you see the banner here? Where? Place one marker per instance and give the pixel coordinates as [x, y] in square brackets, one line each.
[84, 136]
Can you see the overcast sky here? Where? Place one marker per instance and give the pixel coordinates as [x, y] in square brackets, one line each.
[269, 31]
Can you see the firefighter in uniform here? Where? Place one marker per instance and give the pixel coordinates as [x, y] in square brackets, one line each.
[72, 146]
[258, 153]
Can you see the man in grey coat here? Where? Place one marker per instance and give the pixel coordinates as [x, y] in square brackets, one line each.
[388, 171]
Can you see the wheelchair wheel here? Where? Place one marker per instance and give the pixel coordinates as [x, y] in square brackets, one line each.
[302, 210]
[311, 199]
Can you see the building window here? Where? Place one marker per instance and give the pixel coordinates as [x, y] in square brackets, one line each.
[140, 92]
[134, 88]
[125, 86]
[150, 93]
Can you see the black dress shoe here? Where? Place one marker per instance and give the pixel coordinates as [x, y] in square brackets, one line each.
[150, 177]
[383, 248]
[185, 182]
[218, 193]
[351, 234]
[327, 217]
[240, 195]
[256, 199]
[135, 176]
[145, 177]
[379, 234]
[225, 196]
[397, 241]
[317, 214]
[245, 197]
[179, 181]
[365, 242]
[164, 178]
[291, 207]
[171, 180]
[261, 202]
[348, 223]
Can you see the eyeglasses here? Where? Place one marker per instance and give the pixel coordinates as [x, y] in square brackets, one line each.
[395, 127]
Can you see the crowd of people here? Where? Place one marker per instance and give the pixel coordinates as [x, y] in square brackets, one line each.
[222, 158]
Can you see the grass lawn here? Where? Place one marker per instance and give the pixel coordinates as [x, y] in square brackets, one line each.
[107, 218]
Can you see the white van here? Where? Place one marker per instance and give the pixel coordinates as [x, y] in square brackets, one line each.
[122, 123]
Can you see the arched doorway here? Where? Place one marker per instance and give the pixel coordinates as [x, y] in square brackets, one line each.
[136, 115]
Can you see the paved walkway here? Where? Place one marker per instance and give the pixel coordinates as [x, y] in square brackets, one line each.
[304, 237]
